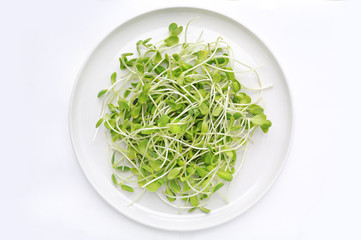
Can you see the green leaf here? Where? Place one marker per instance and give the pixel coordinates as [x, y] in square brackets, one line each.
[163, 120]
[192, 209]
[113, 78]
[190, 170]
[127, 54]
[205, 185]
[116, 137]
[209, 168]
[99, 122]
[114, 179]
[135, 111]
[123, 105]
[127, 188]
[111, 107]
[236, 86]
[230, 75]
[202, 55]
[225, 175]
[123, 168]
[174, 173]
[110, 124]
[102, 92]
[175, 129]
[125, 125]
[151, 154]
[208, 159]
[174, 186]
[134, 171]
[236, 127]
[177, 31]
[146, 87]
[126, 93]
[131, 62]
[156, 165]
[142, 97]
[206, 210]
[142, 146]
[147, 168]
[217, 78]
[172, 27]
[113, 157]
[231, 153]
[154, 186]
[237, 115]
[158, 70]
[244, 98]
[204, 127]
[254, 109]
[176, 56]
[140, 68]
[217, 187]
[171, 41]
[201, 172]
[185, 66]
[147, 40]
[122, 66]
[217, 111]
[132, 154]
[194, 200]
[141, 180]
[186, 187]
[204, 108]
[221, 61]
[259, 119]
[158, 57]
[172, 104]
[143, 60]
[177, 72]
[148, 131]
[137, 126]
[203, 92]
[170, 193]
[266, 126]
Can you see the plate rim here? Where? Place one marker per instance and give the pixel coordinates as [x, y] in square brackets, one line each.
[207, 11]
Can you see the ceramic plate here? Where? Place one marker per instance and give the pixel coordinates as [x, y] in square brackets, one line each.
[265, 157]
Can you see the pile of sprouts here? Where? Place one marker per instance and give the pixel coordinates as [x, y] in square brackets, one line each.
[177, 117]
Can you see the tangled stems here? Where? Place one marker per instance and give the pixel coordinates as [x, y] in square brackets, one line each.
[177, 117]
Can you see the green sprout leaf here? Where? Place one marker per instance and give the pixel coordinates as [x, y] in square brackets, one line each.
[175, 129]
[163, 121]
[217, 111]
[171, 41]
[206, 210]
[217, 187]
[127, 188]
[174, 173]
[102, 92]
[123, 105]
[113, 78]
[204, 108]
[114, 180]
[259, 119]
[100, 121]
[225, 175]
[172, 27]
[154, 186]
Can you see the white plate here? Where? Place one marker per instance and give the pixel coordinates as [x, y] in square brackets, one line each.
[264, 159]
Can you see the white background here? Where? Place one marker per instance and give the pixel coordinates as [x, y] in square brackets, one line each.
[43, 191]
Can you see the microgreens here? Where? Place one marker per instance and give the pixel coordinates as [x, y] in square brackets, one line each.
[182, 119]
